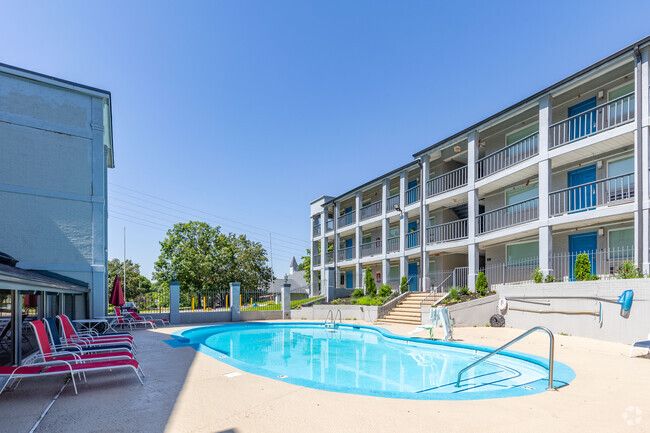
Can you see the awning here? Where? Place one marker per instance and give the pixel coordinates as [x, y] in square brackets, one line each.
[12, 278]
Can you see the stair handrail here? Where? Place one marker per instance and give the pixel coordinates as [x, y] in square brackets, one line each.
[433, 291]
[388, 306]
[551, 351]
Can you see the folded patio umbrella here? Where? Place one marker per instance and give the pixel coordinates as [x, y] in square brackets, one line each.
[117, 297]
[30, 301]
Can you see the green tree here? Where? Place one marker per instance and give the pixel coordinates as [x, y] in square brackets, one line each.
[199, 256]
[371, 287]
[306, 266]
[404, 285]
[136, 284]
[582, 268]
[481, 284]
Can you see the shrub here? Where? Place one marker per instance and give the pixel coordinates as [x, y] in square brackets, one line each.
[385, 290]
[370, 300]
[582, 270]
[371, 287]
[538, 276]
[404, 285]
[549, 279]
[627, 270]
[357, 293]
[454, 294]
[464, 291]
[481, 284]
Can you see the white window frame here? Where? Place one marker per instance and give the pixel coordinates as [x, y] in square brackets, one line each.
[505, 192]
[620, 158]
[609, 250]
[609, 91]
[505, 138]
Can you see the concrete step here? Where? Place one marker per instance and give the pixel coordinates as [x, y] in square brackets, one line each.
[400, 321]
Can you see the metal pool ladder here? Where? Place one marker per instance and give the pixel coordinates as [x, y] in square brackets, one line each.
[551, 350]
[330, 315]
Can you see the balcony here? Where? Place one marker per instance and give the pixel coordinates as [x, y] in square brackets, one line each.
[508, 216]
[510, 155]
[347, 219]
[604, 192]
[447, 182]
[316, 260]
[329, 226]
[450, 231]
[392, 245]
[329, 257]
[370, 249]
[413, 239]
[413, 195]
[344, 254]
[316, 230]
[598, 119]
[391, 202]
[372, 210]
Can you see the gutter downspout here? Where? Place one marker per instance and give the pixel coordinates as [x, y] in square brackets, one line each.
[639, 155]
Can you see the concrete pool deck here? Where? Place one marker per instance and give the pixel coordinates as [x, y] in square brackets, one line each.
[187, 391]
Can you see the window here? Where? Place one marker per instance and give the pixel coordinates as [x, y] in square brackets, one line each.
[620, 167]
[621, 188]
[521, 193]
[620, 91]
[366, 239]
[393, 232]
[523, 132]
[432, 221]
[523, 254]
[621, 244]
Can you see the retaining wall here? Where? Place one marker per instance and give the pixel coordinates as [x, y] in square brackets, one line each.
[579, 316]
[348, 312]
[471, 313]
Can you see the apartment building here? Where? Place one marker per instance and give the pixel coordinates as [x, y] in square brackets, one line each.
[562, 172]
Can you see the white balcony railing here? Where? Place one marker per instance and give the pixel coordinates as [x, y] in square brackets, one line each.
[604, 192]
[329, 257]
[448, 181]
[391, 202]
[508, 216]
[371, 210]
[347, 219]
[598, 119]
[316, 260]
[392, 245]
[329, 226]
[413, 195]
[510, 155]
[370, 249]
[344, 254]
[413, 239]
[450, 231]
[316, 229]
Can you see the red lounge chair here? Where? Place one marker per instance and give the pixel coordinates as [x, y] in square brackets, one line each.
[49, 355]
[63, 367]
[70, 335]
[140, 321]
[53, 331]
[138, 317]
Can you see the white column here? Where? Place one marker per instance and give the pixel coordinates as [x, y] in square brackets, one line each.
[385, 271]
[358, 276]
[644, 166]
[472, 211]
[403, 221]
[337, 245]
[424, 221]
[357, 201]
[384, 222]
[544, 185]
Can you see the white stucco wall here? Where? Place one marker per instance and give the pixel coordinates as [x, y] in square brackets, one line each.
[53, 178]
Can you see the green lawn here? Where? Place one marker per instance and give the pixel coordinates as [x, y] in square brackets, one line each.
[276, 307]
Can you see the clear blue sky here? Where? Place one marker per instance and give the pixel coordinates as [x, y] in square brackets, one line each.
[249, 110]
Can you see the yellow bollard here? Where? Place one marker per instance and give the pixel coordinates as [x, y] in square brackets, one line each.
[226, 301]
[192, 305]
[239, 301]
[204, 303]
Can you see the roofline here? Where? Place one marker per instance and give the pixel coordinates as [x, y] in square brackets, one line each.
[537, 95]
[373, 181]
[59, 80]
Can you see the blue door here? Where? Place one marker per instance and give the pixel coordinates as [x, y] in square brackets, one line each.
[412, 238]
[413, 277]
[582, 243]
[348, 249]
[348, 217]
[581, 126]
[348, 280]
[583, 198]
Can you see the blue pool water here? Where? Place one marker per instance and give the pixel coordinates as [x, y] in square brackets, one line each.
[371, 361]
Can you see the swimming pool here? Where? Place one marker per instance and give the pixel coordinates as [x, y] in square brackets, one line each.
[371, 361]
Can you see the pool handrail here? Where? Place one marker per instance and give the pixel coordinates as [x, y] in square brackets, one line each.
[551, 351]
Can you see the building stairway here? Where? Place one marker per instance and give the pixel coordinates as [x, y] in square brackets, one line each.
[408, 310]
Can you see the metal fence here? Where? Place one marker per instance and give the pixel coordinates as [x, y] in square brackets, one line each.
[514, 272]
[510, 155]
[258, 300]
[600, 118]
[370, 249]
[205, 300]
[448, 181]
[604, 263]
[603, 192]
